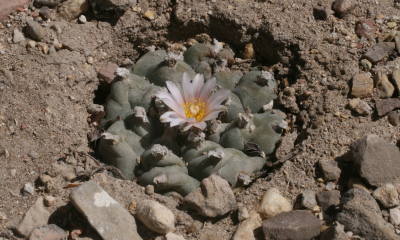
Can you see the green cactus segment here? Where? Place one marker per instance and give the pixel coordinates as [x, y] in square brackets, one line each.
[263, 133]
[198, 53]
[252, 94]
[166, 172]
[205, 69]
[234, 109]
[174, 180]
[229, 167]
[215, 137]
[153, 67]
[227, 80]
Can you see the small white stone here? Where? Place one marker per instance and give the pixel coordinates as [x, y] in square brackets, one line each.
[18, 36]
[90, 60]
[273, 203]
[387, 195]
[268, 106]
[82, 19]
[13, 172]
[156, 216]
[394, 216]
[49, 200]
[243, 213]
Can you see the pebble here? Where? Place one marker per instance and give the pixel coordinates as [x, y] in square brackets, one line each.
[321, 13]
[360, 213]
[249, 51]
[335, 232]
[82, 19]
[173, 236]
[149, 15]
[394, 216]
[18, 36]
[50, 3]
[112, 8]
[56, 27]
[359, 106]
[343, 7]
[362, 86]
[214, 198]
[246, 229]
[43, 47]
[385, 106]
[377, 161]
[106, 75]
[149, 189]
[383, 85]
[308, 199]
[71, 9]
[397, 42]
[367, 65]
[35, 217]
[273, 203]
[33, 155]
[328, 200]
[242, 213]
[105, 215]
[35, 14]
[90, 60]
[155, 216]
[5, 75]
[203, 38]
[366, 28]
[379, 51]
[394, 118]
[94, 108]
[29, 188]
[13, 172]
[329, 170]
[34, 29]
[300, 223]
[387, 195]
[44, 13]
[329, 186]
[48, 232]
[31, 44]
[49, 201]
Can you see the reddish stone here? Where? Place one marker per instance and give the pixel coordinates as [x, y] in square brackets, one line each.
[344, 7]
[7, 6]
[366, 28]
[21, 9]
[106, 75]
[35, 14]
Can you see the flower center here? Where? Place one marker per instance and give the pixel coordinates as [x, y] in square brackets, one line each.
[194, 109]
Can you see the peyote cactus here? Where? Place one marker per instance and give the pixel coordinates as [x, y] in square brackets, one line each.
[145, 120]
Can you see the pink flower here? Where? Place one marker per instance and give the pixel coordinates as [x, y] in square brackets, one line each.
[193, 104]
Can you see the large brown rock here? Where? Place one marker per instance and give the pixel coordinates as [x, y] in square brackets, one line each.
[214, 198]
[377, 161]
[362, 86]
[384, 106]
[7, 6]
[360, 213]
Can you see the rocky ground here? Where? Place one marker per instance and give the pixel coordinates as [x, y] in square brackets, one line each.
[335, 174]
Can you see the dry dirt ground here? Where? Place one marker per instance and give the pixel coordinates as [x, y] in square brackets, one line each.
[43, 108]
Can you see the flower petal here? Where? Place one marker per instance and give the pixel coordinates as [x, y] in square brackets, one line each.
[174, 106]
[175, 92]
[198, 83]
[214, 114]
[162, 95]
[169, 116]
[177, 121]
[207, 89]
[187, 87]
[200, 125]
[218, 97]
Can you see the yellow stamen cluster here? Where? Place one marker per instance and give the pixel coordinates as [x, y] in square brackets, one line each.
[194, 109]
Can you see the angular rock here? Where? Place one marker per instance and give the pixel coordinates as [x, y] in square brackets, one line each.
[44, 12]
[362, 86]
[156, 216]
[343, 7]
[111, 8]
[328, 200]
[366, 28]
[6, 7]
[329, 169]
[50, 3]
[362, 215]
[34, 30]
[247, 229]
[107, 75]
[377, 161]
[379, 51]
[384, 87]
[18, 36]
[273, 203]
[72, 46]
[387, 195]
[214, 198]
[360, 106]
[394, 118]
[105, 215]
[299, 225]
[308, 199]
[48, 232]
[335, 232]
[394, 216]
[49, 200]
[321, 13]
[36, 216]
[71, 9]
[384, 106]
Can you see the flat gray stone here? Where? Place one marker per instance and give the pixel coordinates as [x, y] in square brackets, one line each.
[384, 106]
[18, 36]
[298, 225]
[379, 51]
[360, 213]
[107, 216]
[328, 200]
[377, 161]
[308, 199]
[329, 169]
[36, 216]
[214, 198]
